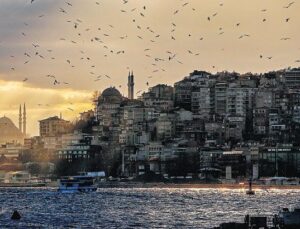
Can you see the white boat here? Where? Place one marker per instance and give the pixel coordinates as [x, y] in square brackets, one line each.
[75, 184]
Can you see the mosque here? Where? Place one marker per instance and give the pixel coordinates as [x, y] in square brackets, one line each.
[9, 133]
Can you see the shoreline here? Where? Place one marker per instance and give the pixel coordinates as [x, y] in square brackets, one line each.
[162, 185]
[197, 186]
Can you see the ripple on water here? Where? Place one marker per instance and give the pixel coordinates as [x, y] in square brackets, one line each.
[138, 208]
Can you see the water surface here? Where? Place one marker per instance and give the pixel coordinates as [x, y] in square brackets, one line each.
[138, 208]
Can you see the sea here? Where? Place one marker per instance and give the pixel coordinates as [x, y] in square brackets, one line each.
[138, 207]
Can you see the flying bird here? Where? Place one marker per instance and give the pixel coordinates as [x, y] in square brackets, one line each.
[289, 5]
[62, 10]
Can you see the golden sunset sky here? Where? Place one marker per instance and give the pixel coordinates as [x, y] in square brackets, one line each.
[76, 41]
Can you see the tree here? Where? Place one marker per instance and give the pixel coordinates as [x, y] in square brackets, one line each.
[34, 168]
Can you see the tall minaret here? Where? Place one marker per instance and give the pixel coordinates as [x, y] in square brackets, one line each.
[130, 86]
[20, 118]
[24, 120]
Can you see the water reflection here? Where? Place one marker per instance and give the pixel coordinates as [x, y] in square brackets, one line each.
[138, 208]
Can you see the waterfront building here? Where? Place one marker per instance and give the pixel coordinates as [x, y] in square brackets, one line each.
[165, 128]
[203, 101]
[183, 93]
[234, 159]
[11, 151]
[87, 115]
[134, 120]
[239, 100]
[292, 78]
[209, 157]
[192, 129]
[54, 126]
[78, 147]
[220, 98]
[234, 127]
[261, 121]
[214, 131]
[294, 105]
[264, 97]
[20, 177]
[282, 160]
[160, 97]
[184, 88]
[269, 80]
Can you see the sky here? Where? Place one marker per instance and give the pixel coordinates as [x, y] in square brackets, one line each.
[54, 54]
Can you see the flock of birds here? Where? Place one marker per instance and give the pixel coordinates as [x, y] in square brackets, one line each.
[102, 36]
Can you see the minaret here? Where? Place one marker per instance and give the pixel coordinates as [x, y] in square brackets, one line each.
[130, 85]
[24, 120]
[20, 118]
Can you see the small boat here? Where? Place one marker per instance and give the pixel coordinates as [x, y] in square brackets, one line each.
[250, 191]
[75, 184]
[288, 219]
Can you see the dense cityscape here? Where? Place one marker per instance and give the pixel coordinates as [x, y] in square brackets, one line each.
[207, 127]
[150, 114]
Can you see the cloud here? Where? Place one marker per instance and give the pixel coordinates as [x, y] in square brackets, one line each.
[41, 103]
[23, 24]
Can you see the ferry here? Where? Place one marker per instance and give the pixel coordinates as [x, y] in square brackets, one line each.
[76, 184]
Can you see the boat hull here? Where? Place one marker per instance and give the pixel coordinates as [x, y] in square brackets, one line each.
[76, 184]
[77, 190]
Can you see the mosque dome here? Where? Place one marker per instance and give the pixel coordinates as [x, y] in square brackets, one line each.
[9, 132]
[110, 95]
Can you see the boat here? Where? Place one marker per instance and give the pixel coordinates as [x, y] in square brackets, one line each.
[288, 219]
[77, 184]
